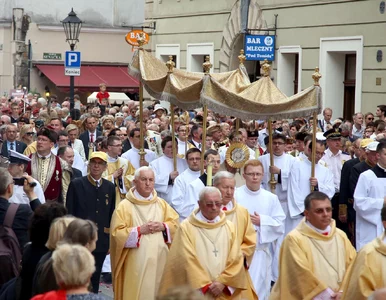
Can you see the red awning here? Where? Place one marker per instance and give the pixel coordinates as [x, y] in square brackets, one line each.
[115, 77]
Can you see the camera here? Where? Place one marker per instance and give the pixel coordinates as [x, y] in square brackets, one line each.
[20, 182]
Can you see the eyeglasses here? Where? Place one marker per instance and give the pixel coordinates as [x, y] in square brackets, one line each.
[119, 145]
[30, 133]
[216, 204]
[278, 143]
[254, 174]
[370, 118]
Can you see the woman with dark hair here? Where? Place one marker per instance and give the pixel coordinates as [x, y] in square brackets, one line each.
[82, 232]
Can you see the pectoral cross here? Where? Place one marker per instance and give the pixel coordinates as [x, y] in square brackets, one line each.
[215, 251]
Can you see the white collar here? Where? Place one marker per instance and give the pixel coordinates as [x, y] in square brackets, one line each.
[328, 229]
[381, 167]
[111, 159]
[330, 154]
[229, 206]
[194, 172]
[252, 192]
[140, 197]
[99, 180]
[201, 217]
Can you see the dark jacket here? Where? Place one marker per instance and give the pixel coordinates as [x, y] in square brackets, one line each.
[126, 145]
[21, 221]
[76, 173]
[86, 201]
[84, 137]
[19, 147]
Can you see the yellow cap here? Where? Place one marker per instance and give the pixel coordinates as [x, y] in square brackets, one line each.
[98, 154]
[365, 142]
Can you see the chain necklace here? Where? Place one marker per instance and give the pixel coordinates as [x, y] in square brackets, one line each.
[215, 251]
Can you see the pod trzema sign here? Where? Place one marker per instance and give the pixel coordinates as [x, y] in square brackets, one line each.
[260, 47]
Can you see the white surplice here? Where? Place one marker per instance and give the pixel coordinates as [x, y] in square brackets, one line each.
[132, 155]
[181, 147]
[271, 228]
[179, 192]
[162, 167]
[299, 187]
[191, 197]
[368, 202]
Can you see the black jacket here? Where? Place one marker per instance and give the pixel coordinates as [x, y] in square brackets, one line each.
[86, 201]
[84, 137]
[21, 221]
[19, 147]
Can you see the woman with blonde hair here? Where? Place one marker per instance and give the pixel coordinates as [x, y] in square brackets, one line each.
[26, 134]
[73, 266]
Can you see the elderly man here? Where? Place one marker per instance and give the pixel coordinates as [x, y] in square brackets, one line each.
[368, 272]
[358, 128]
[52, 172]
[205, 253]
[11, 143]
[369, 198]
[327, 115]
[267, 217]
[93, 198]
[300, 182]
[67, 154]
[132, 155]
[239, 216]
[76, 144]
[163, 168]
[315, 257]
[141, 223]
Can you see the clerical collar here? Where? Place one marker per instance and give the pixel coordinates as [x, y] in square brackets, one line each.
[200, 216]
[252, 192]
[111, 159]
[384, 169]
[140, 197]
[229, 206]
[194, 172]
[44, 157]
[328, 229]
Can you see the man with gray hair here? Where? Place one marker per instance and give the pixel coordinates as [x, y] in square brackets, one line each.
[358, 128]
[239, 216]
[205, 253]
[142, 227]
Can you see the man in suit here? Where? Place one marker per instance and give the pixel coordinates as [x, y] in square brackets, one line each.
[327, 114]
[11, 143]
[91, 134]
[196, 140]
[24, 211]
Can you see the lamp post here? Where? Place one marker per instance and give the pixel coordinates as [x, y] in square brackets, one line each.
[72, 25]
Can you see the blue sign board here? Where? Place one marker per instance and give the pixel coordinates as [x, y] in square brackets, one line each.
[259, 47]
[72, 59]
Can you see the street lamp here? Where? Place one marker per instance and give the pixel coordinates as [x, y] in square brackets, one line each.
[72, 25]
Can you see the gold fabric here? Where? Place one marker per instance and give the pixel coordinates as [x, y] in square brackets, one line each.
[183, 265]
[230, 93]
[368, 272]
[297, 276]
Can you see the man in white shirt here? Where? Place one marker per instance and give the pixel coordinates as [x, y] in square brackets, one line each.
[193, 158]
[182, 140]
[17, 166]
[164, 170]
[369, 198]
[196, 133]
[334, 159]
[132, 155]
[300, 183]
[267, 217]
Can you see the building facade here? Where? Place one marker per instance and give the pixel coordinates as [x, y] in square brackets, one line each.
[343, 37]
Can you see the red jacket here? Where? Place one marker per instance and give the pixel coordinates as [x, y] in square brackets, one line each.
[52, 295]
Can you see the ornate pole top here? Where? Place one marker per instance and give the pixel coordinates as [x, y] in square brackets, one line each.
[242, 57]
[141, 40]
[266, 68]
[316, 76]
[207, 65]
[170, 64]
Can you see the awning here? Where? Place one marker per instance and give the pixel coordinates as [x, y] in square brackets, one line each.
[117, 98]
[115, 77]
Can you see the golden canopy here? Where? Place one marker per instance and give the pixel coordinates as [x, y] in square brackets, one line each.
[230, 93]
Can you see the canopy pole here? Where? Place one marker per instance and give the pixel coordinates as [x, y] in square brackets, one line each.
[237, 124]
[187, 131]
[141, 131]
[173, 138]
[206, 66]
[170, 65]
[313, 153]
[272, 182]
[203, 143]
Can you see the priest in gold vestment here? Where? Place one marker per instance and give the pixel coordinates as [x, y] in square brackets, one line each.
[316, 257]
[205, 253]
[119, 170]
[369, 270]
[239, 216]
[141, 231]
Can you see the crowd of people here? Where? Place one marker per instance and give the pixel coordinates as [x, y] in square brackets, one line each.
[85, 205]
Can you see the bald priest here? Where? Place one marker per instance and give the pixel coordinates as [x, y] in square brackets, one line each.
[205, 253]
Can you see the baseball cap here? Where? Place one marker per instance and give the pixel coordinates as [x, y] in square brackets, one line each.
[99, 154]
